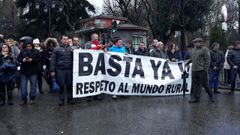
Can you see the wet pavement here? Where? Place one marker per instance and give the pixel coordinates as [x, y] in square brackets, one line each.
[124, 116]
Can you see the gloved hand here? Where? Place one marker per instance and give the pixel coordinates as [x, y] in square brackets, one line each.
[18, 68]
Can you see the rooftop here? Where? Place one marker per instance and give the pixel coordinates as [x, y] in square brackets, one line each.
[104, 17]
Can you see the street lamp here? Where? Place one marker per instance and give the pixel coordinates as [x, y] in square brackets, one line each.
[224, 26]
[49, 4]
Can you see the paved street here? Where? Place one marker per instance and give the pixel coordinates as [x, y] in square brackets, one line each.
[125, 116]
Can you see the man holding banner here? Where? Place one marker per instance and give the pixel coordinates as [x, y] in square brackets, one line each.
[94, 44]
[117, 47]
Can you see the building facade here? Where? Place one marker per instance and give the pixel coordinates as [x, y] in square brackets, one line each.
[102, 25]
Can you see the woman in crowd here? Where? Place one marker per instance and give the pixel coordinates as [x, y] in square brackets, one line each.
[50, 44]
[41, 66]
[14, 48]
[172, 52]
[8, 69]
[216, 64]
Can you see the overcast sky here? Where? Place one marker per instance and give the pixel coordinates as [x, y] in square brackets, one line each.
[98, 4]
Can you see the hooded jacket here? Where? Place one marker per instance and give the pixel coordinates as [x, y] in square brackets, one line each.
[29, 67]
[48, 50]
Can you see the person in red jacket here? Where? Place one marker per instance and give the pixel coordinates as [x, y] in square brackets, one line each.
[94, 44]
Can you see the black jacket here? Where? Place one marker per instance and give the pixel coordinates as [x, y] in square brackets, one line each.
[130, 50]
[62, 58]
[144, 52]
[217, 59]
[174, 55]
[48, 56]
[48, 50]
[29, 67]
[233, 57]
[42, 60]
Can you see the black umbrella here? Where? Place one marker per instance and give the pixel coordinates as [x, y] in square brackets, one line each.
[26, 38]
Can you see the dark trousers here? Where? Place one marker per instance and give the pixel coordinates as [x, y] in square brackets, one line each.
[234, 73]
[227, 76]
[6, 86]
[18, 79]
[213, 79]
[200, 78]
[39, 79]
[48, 78]
[64, 78]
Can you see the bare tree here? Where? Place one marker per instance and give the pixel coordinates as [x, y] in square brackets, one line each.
[111, 7]
[163, 17]
[132, 9]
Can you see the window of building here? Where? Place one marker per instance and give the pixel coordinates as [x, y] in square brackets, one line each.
[136, 41]
[99, 23]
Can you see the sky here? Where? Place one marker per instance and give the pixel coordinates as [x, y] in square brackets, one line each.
[98, 4]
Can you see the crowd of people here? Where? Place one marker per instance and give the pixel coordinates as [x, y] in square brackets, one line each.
[32, 60]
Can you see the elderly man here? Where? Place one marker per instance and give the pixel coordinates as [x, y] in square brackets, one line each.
[158, 51]
[200, 63]
[94, 44]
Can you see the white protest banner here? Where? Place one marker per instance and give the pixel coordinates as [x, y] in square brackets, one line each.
[96, 72]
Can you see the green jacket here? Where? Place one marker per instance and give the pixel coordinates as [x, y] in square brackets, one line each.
[200, 59]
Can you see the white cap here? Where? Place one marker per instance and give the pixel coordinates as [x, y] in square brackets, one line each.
[36, 41]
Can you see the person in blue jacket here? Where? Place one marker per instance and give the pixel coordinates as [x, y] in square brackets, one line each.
[8, 70]
[118, 46]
